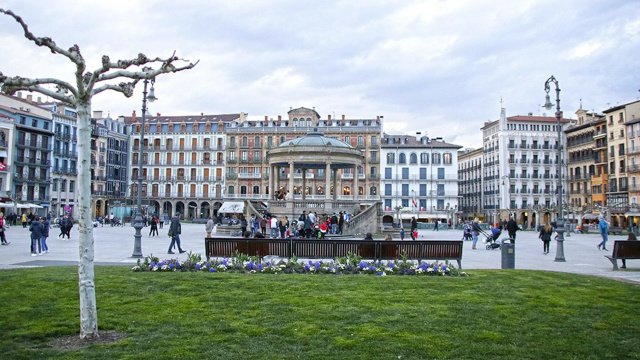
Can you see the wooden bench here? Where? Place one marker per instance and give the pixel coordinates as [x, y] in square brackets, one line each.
[331, 249]
[615, 229]
[623, 249]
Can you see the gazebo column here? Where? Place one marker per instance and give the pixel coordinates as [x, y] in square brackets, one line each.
[335, 184]
[273, 183]
[304, 183]
[291, 169]
[356, 180]
[327, 182]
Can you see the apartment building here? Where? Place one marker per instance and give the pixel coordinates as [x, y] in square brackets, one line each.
[521, 168]
[420, 178]
[248, 141]
[183, 162]
[470, 183]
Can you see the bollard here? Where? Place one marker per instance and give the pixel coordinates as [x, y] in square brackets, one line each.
[508, 254]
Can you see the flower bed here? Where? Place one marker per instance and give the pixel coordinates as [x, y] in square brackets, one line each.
[352, 264]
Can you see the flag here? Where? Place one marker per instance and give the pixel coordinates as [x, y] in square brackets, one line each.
[414, 202]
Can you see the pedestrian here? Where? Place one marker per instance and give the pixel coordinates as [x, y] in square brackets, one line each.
[475, 231]
[435, 225]
[252, 224]
[545, 236]
[512, 227]
[273, 224]
[24, 220]
[604, 231]
[307, 228]
[3, 229]
[402, 234]
[175, 229]
[256, 225]
[340, 222]
[284, 224]
[161, 221]
[334, 223]
[263, 225]
[368, 237]
[414, 226]
[209, 227]
[154, 227]
[69, 226]
[64, 222]
[36, 236]
[46, 225]
[243, 224]
[632, 237]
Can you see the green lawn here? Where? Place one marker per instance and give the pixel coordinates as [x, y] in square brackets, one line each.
[488, 315]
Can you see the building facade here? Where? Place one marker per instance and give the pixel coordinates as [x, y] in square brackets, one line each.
[521, 168]
[183, 160]
[248, 173]
[420, 178]
[470, 183]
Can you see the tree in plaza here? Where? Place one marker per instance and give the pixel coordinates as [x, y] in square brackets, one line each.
[79, 95]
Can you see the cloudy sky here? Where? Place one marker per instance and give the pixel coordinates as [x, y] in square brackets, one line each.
[441, 67]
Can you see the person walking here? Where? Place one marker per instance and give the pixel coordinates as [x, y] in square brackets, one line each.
[340, 222]
[36, 236]
[46, 225]
[175, 229]
[263, 225]
[414, 226]
[252, 224]
[283, 225]
[209, 227]
[435, 225]
[273, 225]
[161, 221]
[512, 227]
[24, 220]
[154, 227]
[475, 231]
[64, 222]
[243, 224]
[545, 236]
[3, 228]
[603, 227]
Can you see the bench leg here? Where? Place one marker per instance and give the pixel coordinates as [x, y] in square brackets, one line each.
[459, 264]
[614, 261]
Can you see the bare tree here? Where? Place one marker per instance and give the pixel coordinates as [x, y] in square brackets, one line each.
[79, 95]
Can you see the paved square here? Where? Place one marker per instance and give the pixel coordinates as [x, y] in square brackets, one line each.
[114, 245]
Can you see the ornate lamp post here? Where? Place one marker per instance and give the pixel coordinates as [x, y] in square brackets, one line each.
[138, 223]
[560, 221]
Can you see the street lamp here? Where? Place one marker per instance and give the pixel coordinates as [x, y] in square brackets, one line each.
[560, 222]
[138, 222]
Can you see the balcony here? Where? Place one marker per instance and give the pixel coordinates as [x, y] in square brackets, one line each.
[232, 176]
[249, 175]
[374, 160]
[232, 161]
[347, 176]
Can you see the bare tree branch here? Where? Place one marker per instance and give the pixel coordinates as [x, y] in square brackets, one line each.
[147, 73]
[125, 88]
[13, 84]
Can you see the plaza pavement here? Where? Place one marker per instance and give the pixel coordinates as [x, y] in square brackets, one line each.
[114, 246]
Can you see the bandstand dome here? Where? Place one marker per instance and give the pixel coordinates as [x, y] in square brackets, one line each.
[315, 138]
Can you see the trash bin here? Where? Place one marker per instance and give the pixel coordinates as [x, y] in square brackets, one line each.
[508, 254]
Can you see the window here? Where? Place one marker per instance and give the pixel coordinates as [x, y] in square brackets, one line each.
[374, 155]
[387, 204]
[374, 140]
[435, 159]
[440, 173]
[423, 189]
[405, 189]
[373, 191]
[440, 189]
[405, 202]
[72, 185]
[387, 190]
[424, 158]
[402, 158]
[243, 190]
[413, 158]
[391, 158]
[405, 173]
[387, 173]
[360, 140]
[447, 159]
[423, 173]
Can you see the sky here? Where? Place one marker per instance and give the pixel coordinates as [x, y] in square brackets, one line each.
[443, 68]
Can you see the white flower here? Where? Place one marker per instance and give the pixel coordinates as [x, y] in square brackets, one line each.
[136, 268]
[155, 268]
[165, 267]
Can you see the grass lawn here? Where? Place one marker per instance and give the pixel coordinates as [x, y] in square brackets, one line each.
[491, 314]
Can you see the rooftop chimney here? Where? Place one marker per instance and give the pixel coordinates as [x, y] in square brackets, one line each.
[279, 118]
[97, 114]
[29, 97]
[418, 135]
[39, 100]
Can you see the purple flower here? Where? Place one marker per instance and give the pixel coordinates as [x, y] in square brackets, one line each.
[307, 267]
[372, 268]
[310, 262]
[379, 273]
[212, 270]
[224, 262]
[177, 264]
[171, 266]
[444, 267]
[198, 266]
[392, 265]
[153, 263]
[207, 265]
[251, 265]
[317, 265]
[362, 265]
[260, 267]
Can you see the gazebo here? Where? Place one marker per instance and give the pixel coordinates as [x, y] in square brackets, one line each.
[314, 151]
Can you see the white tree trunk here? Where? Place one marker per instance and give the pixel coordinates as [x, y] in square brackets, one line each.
[87, 289]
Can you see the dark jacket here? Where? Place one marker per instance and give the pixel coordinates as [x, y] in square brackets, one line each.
[545, 235]
[36, 229]
[512, 226]
[414, 224]
[175, 226]
[45, 228]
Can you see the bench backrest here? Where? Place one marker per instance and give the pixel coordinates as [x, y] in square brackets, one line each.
[329, 249]
[626, 249]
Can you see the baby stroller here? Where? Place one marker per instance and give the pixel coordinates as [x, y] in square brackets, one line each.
[492, 239]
